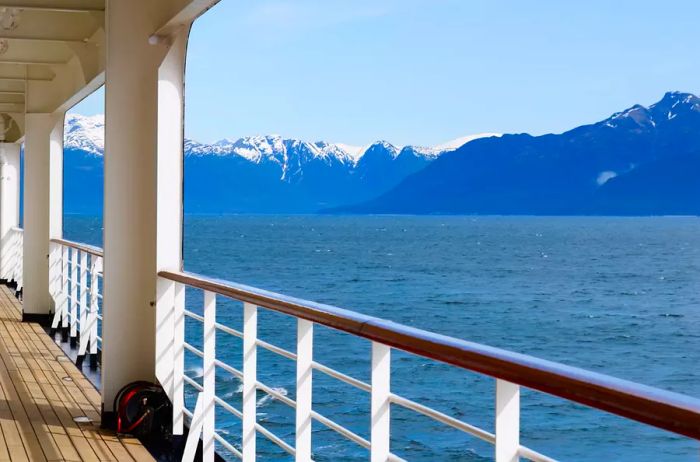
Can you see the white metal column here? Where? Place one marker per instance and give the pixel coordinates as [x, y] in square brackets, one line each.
[170, 296]
[43, 206]
[9, 203]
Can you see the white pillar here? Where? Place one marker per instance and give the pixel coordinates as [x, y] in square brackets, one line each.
[43, 207]
[9, 203]
[170, 299]
[138, 229]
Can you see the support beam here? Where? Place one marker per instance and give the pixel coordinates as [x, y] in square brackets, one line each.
[9, 202]
[43, 206]
[11, 107]
[21, 79]
[55, 7]
[40, 40]
[26, 62]
[132, 213]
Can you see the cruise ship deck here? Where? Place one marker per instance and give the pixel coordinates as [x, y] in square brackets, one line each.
[42, 392]
[133, 306]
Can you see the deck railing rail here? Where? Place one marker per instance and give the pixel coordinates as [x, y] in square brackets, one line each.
[662, 409]
[75, 273]
[13, 264]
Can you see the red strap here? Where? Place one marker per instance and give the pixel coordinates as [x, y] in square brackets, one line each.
[122, 406]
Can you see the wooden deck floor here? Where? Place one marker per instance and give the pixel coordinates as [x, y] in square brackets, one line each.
[41, 391]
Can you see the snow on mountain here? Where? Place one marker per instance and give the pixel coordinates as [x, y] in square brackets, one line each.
[459, 142]
[673, 103]
[86, 133]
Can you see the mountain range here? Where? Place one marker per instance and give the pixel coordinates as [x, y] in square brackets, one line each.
[256, 174]
[640, 161]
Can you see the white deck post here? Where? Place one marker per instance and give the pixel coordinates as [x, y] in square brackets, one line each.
[143, 201]
[9, 205]
[381, 417]
[82, 303]
[178, 370]
[250, 337]
[95, 269]
[65, 281]
[170, 299]
[507, 422]
[209, 376]
[74, 284]
[305, 344]
[43, 207]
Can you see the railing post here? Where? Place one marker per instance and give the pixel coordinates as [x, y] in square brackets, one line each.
[178, 358]
[305, 344]
[16, 256]
[507, 422]
[250, 337]
[20, 262]
[209, 376]
[54, 271]
[381, 405]
[95, 268]
[74, 296]
[64, 299]
[84, 330]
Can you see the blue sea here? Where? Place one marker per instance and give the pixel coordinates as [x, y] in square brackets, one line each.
[614, 295]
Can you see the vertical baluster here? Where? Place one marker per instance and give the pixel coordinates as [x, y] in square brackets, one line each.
[84, 326]
[179, 359]
[95, 270]
[20, 261]
[84, 338]
[507, 422]
[53, 270]
[381, 405]
[64, 298]
[209, 378]
[74, 296]
[57, 285]
[17, 258]
[250, 337]
[305, 343]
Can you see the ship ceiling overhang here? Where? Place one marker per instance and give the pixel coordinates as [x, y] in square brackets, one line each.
[52, 52]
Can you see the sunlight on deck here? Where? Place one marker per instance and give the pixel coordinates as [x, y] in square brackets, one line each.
[41, 391]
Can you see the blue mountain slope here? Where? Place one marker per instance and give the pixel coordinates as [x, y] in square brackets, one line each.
[263, 174]
[639, 161]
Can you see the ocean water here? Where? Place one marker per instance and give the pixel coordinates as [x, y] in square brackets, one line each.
[614, 295]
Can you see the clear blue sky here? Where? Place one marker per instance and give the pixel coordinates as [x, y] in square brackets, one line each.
[427, 71]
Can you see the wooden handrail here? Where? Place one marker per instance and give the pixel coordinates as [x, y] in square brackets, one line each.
[91, 249]
[660, 408]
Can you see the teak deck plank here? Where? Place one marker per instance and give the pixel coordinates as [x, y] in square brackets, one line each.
[41, 391]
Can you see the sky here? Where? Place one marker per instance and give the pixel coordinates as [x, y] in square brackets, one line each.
[424, 72]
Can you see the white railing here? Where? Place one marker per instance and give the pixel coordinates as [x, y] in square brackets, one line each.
[662, 409]
[75, 274]
[13, 257]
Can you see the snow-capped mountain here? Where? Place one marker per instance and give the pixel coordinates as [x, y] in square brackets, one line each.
[86, 133]
[644, 160]
[261, 173]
